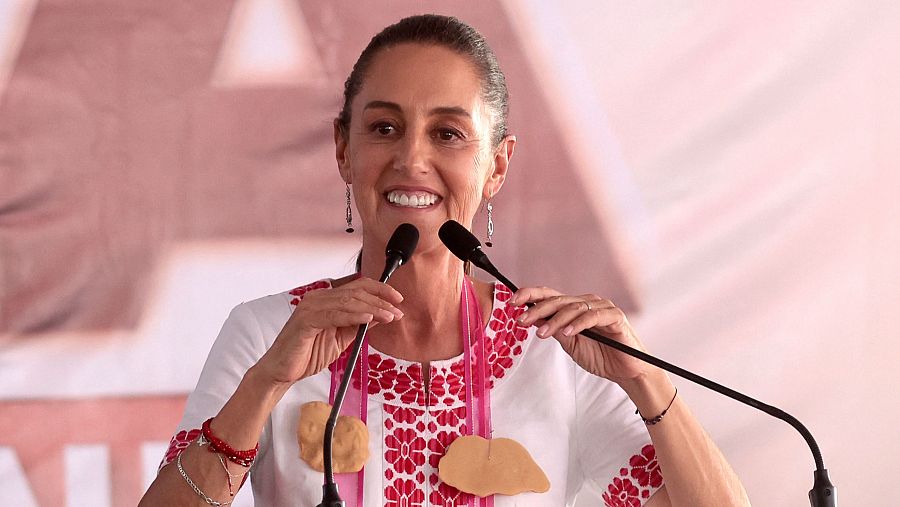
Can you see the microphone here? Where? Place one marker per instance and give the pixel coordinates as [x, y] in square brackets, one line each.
[399, 248]
[398, 252]
[466, 246]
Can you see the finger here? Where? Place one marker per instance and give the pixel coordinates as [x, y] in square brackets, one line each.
[563, 317]
[541, 310]
[531, 295]
[372, 300]
[546, 308]
[350, 299]
[382, 290]
[598, 303]
[607, 321]
[337, 318]
[352, 304]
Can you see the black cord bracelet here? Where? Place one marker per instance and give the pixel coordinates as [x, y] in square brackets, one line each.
[654, 420]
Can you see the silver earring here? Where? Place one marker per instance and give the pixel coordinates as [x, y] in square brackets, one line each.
[490, 224]
[349, 212]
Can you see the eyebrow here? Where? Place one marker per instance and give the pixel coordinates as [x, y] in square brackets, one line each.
[451, 110]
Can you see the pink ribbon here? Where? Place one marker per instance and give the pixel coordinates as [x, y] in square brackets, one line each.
[355, 405]
[478, 402]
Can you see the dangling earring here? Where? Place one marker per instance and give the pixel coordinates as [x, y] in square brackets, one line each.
[490, 224]
[349, 212]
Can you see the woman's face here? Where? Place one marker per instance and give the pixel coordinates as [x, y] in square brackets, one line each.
[418, 148]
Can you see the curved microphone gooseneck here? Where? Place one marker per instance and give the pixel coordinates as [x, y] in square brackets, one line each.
[398, 252]
[466, 246]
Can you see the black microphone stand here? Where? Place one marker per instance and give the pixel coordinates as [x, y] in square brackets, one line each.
[395, 257]
[822, 494]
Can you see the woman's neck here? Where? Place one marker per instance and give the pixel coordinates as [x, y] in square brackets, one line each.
[429, 330]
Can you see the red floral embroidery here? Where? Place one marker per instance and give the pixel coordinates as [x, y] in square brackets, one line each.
[403, 493]
[438, 447]
[447, 496]
[508, 336]
[403, 382]
[499, 361]
[402, 415]
[622, 493]
[456, 386]
[451, 418]
[438, 387]
[504, 318]
[382, 375]
[645, 469]
[405, 450]
[408, 384]
[299, 292]
[178, 444]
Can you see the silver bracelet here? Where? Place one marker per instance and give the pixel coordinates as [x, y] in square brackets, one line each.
[197, 490]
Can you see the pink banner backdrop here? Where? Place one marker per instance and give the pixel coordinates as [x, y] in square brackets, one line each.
[727, 172]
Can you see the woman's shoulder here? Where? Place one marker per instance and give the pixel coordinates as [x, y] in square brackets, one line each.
[279, 302]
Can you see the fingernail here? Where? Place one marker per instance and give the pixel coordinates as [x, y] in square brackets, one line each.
[522, 318]
[568, 330]
[543, 330]
[514, 300]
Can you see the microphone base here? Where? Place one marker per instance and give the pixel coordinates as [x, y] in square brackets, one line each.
[330, 496]
[823, 494]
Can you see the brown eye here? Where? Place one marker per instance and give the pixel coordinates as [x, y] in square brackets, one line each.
[384, 129]
[446, 134]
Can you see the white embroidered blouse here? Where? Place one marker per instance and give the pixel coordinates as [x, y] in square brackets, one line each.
[579, 428]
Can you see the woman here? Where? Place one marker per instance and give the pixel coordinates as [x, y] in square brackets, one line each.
[422, 139]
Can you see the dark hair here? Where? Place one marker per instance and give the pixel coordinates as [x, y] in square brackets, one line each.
[448, 32]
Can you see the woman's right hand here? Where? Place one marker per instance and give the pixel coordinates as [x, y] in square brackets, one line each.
[323, 325]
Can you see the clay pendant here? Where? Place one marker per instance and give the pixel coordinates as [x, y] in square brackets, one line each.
[487, 467]
[350, 448]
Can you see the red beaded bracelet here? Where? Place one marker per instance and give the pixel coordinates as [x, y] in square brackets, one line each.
[242, 458]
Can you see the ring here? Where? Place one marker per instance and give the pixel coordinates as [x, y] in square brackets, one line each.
[588, 305]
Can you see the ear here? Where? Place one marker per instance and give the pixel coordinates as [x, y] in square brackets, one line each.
[502, 155]
[341, 153]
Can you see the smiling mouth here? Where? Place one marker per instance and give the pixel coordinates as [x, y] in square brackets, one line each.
[411, 199]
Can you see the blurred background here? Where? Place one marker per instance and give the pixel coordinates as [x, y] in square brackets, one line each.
[727, 171]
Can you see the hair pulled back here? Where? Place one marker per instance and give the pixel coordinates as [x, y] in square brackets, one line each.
[444, 31]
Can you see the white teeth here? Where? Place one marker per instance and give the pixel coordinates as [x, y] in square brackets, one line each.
[411, 200]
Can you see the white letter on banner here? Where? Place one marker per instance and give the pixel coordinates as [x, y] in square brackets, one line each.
[14, 488]
[87, 475]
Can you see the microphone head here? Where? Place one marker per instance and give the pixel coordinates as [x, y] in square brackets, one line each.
[403, 242]
[459, 240]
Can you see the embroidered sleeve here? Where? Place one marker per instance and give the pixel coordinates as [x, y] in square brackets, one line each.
[635, 482]
[178, 444]
[615, 452]
[237, 348]
[240, 344]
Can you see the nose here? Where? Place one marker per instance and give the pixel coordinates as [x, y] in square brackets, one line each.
[412, 154]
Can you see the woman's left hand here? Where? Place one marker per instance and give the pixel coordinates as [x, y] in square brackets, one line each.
[563, 317]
